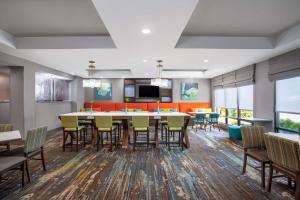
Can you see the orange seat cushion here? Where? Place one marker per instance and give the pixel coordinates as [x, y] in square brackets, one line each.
[142, 106]
[189, 106]
[152, 106]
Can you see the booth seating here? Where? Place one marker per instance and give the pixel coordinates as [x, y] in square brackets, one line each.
[234, 132]
[165, 107]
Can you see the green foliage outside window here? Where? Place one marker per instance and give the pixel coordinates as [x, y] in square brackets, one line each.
[289, 124]
[246, 113]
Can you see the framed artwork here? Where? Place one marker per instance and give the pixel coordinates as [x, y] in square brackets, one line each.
[189, 91]
[61, 90]
[43, 88]
[104, 92]
[4, 87]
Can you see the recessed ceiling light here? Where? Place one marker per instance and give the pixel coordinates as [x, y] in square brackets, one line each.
[145, 61]
[146, 31]
[146, 73]
[206, 61]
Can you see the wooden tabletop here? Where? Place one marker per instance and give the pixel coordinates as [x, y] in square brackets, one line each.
[10, 136]
[294, 137]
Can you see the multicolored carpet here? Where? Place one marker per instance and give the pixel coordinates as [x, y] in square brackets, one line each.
[209, 169]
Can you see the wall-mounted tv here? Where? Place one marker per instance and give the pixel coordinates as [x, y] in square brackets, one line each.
[148, 91]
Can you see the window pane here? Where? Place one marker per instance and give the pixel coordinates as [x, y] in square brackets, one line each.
[219, 98]
[231, 97]
[246, 97]
[288, 95]
[289, 121]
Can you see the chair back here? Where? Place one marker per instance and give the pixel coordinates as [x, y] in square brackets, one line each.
[283, 152]
[201, 116]
[253, 136]
[214, 117]
[103, 121]
[140, 121]
[175, 121]
[6, 127]
[69, 121]
[35, 139]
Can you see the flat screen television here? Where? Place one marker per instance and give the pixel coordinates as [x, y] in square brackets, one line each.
[149, 91]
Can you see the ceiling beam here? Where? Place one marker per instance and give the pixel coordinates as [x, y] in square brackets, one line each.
[224, 42]
[65, 42]
[290, 35]
[7, 39]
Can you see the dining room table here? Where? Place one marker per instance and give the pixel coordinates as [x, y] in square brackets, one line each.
[126, 116]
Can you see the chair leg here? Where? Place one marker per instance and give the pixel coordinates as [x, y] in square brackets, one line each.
[101, 133]
[27, 171]
[77, 141]
[84, 133]
[98, 140]
[263, 166]
[64, 141]
[182, 134]
[270, 177]
[43, 158]
[245, 162]
[134, 140]
[147, 138]
[23, 173]
[111, 141]
[297, 192]
[116, 144]
[168, 140]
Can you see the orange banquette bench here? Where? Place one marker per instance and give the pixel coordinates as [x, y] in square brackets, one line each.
[115, 106]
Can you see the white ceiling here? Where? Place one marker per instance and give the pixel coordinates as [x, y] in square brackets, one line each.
[243, 17]
[50, 18]
[169, 21]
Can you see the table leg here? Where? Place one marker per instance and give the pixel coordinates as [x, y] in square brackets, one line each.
[156, 134]
[125, 133]
[186, 136]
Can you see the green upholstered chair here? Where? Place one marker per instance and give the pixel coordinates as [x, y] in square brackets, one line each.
[200, 120]
[34, 145]
[175, 125]
[140, 125]
[284, 157]
[70, 126]
[254, 147]
[5, 128]
[213, 120]
[104, 124]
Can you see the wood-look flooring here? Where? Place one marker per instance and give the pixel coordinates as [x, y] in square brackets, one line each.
[209, 169]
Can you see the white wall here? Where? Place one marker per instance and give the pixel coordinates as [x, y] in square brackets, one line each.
[117, 91]
[204, 89]
[264, 97]
[28, 109]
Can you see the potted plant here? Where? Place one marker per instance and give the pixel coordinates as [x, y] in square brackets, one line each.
[126, 101]
[158, 109]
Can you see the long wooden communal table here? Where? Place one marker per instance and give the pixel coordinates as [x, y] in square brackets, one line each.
[125, 116]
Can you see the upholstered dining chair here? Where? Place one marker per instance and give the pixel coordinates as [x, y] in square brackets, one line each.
[254, 147]
[104, 124]
[199, 120]
[34, 145]
[175, 125]
[5, 128]
[213, 120]
[284, 157]
[70, 126]
[140, 125]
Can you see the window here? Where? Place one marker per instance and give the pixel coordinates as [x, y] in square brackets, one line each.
[233, 103]
[287, 104]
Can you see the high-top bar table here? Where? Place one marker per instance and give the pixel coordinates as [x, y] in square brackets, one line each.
[125, 116]
[10, 136]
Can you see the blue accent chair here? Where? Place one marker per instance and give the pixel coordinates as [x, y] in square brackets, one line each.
[235, 132]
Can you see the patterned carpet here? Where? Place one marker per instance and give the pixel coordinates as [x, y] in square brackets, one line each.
[209, 169]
